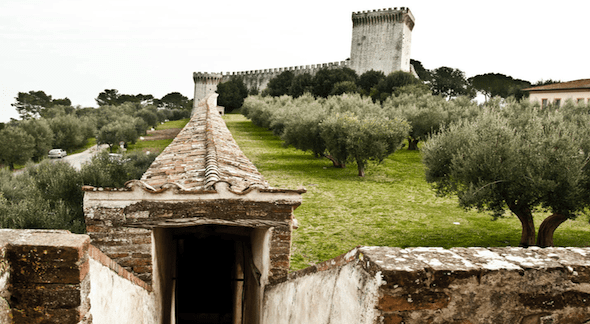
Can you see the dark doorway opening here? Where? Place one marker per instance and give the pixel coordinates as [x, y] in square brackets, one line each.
[210, 276]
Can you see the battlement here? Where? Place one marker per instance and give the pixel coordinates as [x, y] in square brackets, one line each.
[401, 15]
[296, 69]
[204, 76]
[206, 83]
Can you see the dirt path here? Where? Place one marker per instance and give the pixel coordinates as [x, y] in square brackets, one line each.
[161, 134]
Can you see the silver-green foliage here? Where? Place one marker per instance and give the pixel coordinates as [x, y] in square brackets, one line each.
[342, 128]
[49, 195]
[427, 113]
[350, 137]
[517, 158]
[16, 146]
[46, 196]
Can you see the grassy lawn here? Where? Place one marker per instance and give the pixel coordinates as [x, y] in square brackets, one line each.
[392, 206]
[173, 124]
[158, 145]
[152, 146]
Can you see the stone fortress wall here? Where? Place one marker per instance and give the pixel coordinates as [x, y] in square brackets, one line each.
[206, 83]
[381, 41]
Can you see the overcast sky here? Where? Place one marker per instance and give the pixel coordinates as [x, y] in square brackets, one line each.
[76, 49]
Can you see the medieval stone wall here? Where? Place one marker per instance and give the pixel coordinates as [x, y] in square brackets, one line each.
[206, 83]
[434, 285]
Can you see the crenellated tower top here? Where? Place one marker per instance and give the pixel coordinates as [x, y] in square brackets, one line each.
[402, 14]
[204, 76]
[381, 40]
[205, 84]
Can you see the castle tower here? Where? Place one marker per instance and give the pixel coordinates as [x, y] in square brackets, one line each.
[205, 84]
[381, 40]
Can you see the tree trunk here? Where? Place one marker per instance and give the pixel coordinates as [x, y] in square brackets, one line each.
[548, 227]
[336, 163]
[525, 216]
[361, 167]
[413, 144]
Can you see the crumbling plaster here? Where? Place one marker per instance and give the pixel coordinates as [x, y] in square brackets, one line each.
[116, 300]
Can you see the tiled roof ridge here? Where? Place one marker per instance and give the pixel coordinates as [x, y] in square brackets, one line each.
[224, 157]
[211, 164]
[201, 156]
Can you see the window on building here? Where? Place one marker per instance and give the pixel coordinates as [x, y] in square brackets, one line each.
[580, 100]
[557, 102]
[544, 103]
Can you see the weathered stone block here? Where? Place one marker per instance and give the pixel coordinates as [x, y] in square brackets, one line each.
[46, 295]
[46, 264]
[45, 316]
[426, 300]
[392, 319]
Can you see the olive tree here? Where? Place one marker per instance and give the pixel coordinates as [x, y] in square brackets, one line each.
[427, 113]
[124, 130]
[519, 159]
[303, 131]
[42, 134]
[69, 132]
[349, 137]
[17, 146]
[102, 171]
[46, 196]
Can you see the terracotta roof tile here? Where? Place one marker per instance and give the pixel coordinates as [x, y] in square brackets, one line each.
[202, 154]
[576, 84]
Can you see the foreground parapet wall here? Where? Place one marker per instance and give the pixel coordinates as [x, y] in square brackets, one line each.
[43, 277]
[433, 285]
[54, 276]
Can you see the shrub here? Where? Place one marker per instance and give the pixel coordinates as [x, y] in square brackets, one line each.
[105, 171]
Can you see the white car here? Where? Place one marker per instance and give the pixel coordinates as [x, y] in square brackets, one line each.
[57, 153]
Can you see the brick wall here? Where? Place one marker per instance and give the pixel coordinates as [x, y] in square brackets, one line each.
[131, 248]
[45, 277]
[115, 230]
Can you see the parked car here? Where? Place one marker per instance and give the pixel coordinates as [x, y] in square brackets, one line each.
[57, 153]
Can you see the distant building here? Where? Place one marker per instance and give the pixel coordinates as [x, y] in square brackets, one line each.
[558, 93]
